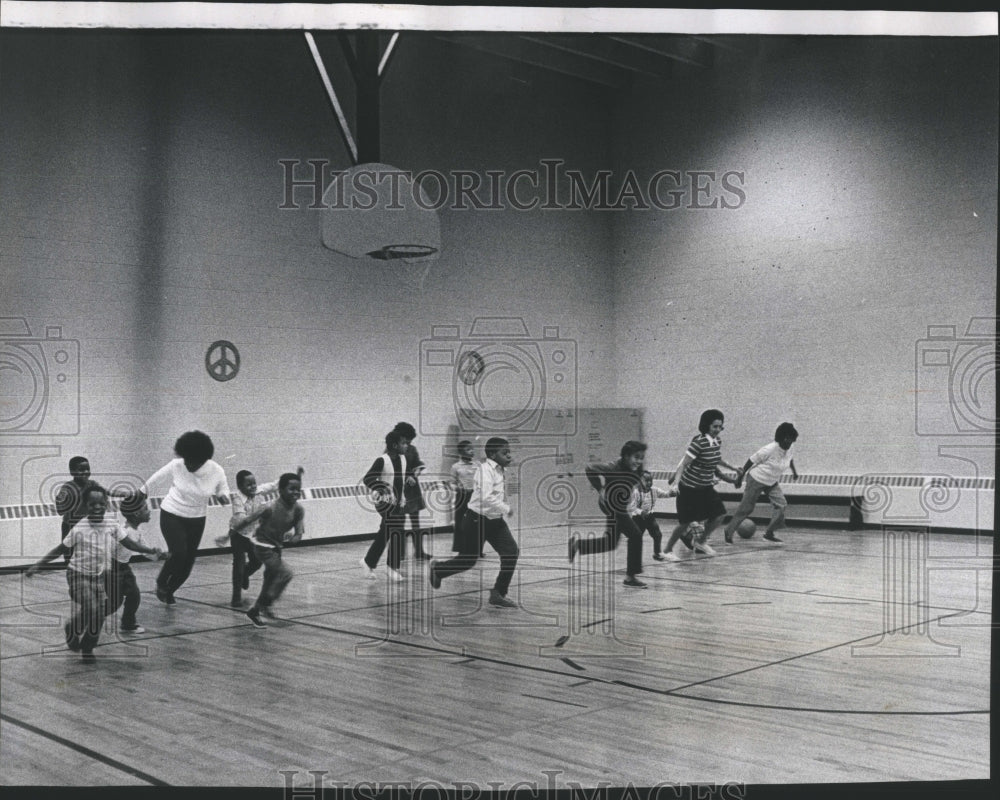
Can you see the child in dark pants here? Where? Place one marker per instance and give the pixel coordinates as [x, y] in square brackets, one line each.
[484, 519]
[462, 473]
[121, 587]
[615, 483]
[248, 499]
[641, 511]
[276, 519]
[385, 480]
[412, 493]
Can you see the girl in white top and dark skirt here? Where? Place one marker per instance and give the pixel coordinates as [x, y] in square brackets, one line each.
[194, 479]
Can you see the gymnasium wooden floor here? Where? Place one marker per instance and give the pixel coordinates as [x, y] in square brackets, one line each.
[834, 658]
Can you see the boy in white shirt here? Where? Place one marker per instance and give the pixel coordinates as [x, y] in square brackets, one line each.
[485, 520]
[91, 541]
[763, 472]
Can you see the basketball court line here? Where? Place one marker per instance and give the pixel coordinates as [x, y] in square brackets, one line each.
[676, 692]
[94, 755]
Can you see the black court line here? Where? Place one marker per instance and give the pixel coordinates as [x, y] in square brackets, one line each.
[93, 754]
[750, 603]
[584, 682]
[843, 603]
[856, 711]
[599, 622]
[553, 700]
[655, 610]
[900, 629]
[574, 665]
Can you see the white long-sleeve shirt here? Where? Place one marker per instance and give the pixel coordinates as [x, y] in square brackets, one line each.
[489, 497]
[189, 491]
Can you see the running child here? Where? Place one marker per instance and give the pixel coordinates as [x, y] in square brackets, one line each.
[463, 472]
[385, 480]
[616, 483]
[90, 541]
[763, 472]
[248, 498]
[120, 584]
[276, 519]
[641, 511]
[484, 520]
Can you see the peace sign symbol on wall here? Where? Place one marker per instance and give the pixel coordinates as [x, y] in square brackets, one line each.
[222, 360]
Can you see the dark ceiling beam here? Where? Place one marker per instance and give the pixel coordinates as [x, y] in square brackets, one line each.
[608, 51]
[685, 49]
[528, 52]
[367, 99]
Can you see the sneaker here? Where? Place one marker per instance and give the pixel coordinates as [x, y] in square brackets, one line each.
[131, 628]
[236, 601]
[574, 546]
[634, 582]
[498, 600]
[729, 537]
[772, 538]
[704, 547]
[254, 615]
[659, 557]
[72, 640]
[366, 571]
[265, 611]
[434, 577]
[394, 575]
[671, 556]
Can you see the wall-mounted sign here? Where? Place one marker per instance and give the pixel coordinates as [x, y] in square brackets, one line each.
[222, 360]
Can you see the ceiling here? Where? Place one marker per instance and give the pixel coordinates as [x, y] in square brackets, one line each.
[609, 60]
